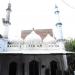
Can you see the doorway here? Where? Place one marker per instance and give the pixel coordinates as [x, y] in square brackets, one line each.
[53, 66]
[34, 67]
[12, 68]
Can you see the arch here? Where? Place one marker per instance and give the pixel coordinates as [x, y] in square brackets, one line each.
[12, 68]
[54, 67]
[34, 67]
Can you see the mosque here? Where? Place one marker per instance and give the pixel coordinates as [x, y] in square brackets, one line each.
[39, 53]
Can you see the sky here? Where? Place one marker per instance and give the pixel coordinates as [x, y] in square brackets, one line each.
[38, 14]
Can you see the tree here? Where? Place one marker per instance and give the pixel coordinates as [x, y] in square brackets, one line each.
[70, 45]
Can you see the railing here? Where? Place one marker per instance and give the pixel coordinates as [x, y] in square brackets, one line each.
[34, 45]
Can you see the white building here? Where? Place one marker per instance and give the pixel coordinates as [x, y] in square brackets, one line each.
[39, 53]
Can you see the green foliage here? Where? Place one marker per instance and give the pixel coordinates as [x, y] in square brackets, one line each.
[70, 45]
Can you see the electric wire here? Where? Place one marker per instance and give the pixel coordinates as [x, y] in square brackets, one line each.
[68, 4]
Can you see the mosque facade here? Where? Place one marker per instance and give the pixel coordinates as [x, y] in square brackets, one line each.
[38, 53]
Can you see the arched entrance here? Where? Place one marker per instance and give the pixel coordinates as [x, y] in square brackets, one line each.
[12, 68]
[34, 68]
[53, 66]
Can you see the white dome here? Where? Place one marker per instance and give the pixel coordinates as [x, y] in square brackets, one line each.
[48, 38]
[33, 37]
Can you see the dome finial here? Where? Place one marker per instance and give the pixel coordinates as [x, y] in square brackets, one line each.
[56, 10]
[58, 24]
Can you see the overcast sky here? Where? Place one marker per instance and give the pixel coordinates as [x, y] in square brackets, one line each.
[28, 14]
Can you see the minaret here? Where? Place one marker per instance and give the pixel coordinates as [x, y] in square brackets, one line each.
[6, 21]
[60, 37]
[58, 24]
